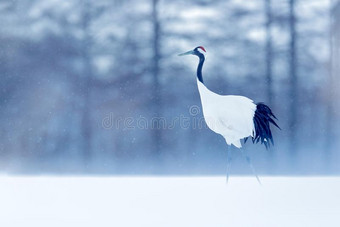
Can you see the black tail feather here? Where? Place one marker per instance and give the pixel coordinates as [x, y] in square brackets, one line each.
[262, 118]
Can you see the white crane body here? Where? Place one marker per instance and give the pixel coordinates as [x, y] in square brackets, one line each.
[228, 115]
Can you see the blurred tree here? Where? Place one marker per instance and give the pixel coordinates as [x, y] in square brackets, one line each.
[333, 82]
[86, 82]
[269, 60]
[156, 88]
[269, 53]
[293, 81]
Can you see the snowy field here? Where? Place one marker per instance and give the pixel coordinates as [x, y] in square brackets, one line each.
[169, 201]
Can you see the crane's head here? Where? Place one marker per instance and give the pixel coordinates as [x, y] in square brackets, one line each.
[198, 51]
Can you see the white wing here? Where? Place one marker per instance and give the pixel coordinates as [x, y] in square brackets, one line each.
[228, 115]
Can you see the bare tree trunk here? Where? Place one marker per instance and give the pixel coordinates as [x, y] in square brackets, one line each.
[269, 69]
[332, 121]
[330, 88]
[157, 101]
[86, 88]
[336, 84]
[293, 81]
[269, 53]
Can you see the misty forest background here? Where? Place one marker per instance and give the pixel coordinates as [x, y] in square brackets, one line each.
[70, 69]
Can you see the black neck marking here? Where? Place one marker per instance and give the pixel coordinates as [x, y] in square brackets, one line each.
[199, 68]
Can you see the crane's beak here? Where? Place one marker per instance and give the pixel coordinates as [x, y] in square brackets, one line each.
[187, 53]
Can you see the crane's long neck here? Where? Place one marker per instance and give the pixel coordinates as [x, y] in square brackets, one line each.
[199, 68]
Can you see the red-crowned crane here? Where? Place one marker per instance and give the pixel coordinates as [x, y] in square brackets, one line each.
[232, 116]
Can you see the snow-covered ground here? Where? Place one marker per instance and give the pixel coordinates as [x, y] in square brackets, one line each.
[169, 201]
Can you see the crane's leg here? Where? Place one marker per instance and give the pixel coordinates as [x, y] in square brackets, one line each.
[250, 165]
[228, 162]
